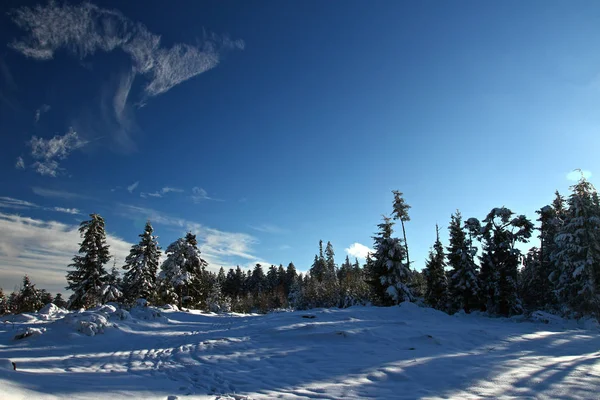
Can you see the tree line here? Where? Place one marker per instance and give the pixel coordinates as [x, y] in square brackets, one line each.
[562, 275]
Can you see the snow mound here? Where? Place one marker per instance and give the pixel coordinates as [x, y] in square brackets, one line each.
[51, 311]
[91, 322]
[28, 332]
[546, 318]
[148, 314]
[170, 307]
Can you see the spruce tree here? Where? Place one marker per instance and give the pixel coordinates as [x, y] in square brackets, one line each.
[389, 273]
[463, 283]
[111, 290]
[435, 275]
[401, 212]
[59, 301]
[577, 254]
[500, 260]
[141, 266]
[29, 298]
[89, 275]
[183, 274]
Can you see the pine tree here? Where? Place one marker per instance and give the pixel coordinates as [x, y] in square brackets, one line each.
[463, 283]
[3, 301]
[577, 254]
[139, 282]
[46, 297]
[111, 290]
[29, 299]
[437, 286]
[542, 269]
[89, 276]
[390, 275]
[530, 285]
[500, 260]
[401, 212]
[183, 274]
[59, 301]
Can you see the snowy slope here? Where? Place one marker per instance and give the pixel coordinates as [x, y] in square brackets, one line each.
[402, 352]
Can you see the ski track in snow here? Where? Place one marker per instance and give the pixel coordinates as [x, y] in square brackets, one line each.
[402, 352]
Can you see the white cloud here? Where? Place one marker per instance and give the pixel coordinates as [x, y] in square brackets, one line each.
[199, 194]
[220, 248]
[84, 29]
[48, 151]
[73, 211]
[42, 249]
[268, 228]
[162, 192]
[9, 202]
[56, 193]
[38, 113]
[133, 186]
[576, 174]
[20, 164]
[358, 250]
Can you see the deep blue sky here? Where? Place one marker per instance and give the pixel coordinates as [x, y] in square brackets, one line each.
[313, 114]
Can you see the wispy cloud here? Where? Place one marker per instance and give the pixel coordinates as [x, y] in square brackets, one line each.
[133, 186]
[47, 152]
[220, 248]
[268, 228]
[576, 174]
[42, 249]
[358, 250]
[9, 202]
[20, 164]
[199, 195]
[73, 211]
[61, 194]
[162, 192]
[38, 113]
[85, 29]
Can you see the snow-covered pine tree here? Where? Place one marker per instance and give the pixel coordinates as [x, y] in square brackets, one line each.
[29, 297]
[216, 301]
[183, 273]
[141, 266]
[89, 275]
[390, 274]
[331, 286]
[436, 294]
[577, 254]
[111, 290]
[500, 260]
[401, 212]
[463, 286]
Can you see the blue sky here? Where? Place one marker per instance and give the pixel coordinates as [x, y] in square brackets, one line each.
[266, 126]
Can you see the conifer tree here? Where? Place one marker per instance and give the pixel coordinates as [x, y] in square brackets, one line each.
[436, 294]
[139, 282]
[183, 274]
[401, 212]
[3, 301]
[500, 260]
[89, 275]
[389, 274]
[59, 301]
[111, 290]
[577, 253]
[463, 283]
[29, 299]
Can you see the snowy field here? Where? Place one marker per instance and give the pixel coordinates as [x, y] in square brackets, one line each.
[402, 352]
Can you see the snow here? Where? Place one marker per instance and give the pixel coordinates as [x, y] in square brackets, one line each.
[402, 352]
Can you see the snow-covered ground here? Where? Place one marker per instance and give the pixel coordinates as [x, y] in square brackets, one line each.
[403, 352]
